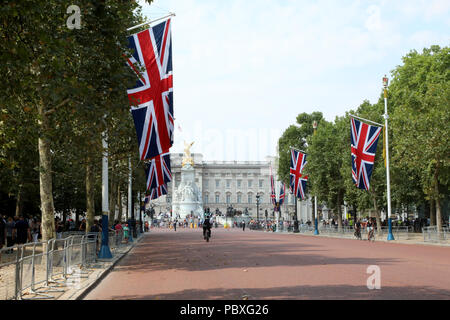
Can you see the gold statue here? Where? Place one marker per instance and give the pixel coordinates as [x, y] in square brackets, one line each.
[187, 158]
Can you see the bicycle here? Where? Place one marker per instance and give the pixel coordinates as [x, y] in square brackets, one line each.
[358, 234]
[207, 234]
[371, 235]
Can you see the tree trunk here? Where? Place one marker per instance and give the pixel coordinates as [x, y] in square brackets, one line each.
[90, 206]
[119, 203]
[19, 202]
[112, 200]
[45, 178]
[377, 213]
[339, 212]
[438, 206]
[432, 213]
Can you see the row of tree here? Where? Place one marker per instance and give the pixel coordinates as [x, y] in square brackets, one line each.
[419, 144]
[61, 89]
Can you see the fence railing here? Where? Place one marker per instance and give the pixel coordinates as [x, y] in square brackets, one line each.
[35, 270]
[399, 232]
[431, 234]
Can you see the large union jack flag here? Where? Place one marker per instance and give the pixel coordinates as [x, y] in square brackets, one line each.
[297, 181]
[152, 97]
[155, 193]
[158, 171]
[364, 140]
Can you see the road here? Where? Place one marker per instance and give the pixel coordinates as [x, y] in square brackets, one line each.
[238, 265]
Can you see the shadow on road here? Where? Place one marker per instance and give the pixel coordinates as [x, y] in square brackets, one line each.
[301, 293]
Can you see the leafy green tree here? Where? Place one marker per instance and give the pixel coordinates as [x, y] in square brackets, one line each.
[420, 99]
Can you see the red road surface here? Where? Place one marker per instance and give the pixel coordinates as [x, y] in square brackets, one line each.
[169, 265]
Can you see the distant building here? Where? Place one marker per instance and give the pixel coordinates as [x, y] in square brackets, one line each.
[234, 183]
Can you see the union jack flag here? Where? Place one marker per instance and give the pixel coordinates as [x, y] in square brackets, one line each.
[273, 196]
[155, 193]
[364, 140]
[152, 97]
[158, 171]
[297, 183]
[282, 194]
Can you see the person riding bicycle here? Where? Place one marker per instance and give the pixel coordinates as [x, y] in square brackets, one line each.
[369, 229]
[358, 229]
[206, 227]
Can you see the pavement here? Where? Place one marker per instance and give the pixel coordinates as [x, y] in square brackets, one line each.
[238, 265]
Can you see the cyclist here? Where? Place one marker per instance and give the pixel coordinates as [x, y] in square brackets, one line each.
[358, 230]
[206, 227]
[370, 230]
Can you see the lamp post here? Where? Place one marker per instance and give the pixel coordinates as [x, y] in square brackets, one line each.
[296, 230]
[257, 207]
[316, 229]
[105, 252]
[388, 182]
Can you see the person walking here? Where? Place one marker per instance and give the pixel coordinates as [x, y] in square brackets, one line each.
[35, 226]
[22, 231]
[243, 225]
[126, 229]
[2, 232]
[175, 224]
[10, 233]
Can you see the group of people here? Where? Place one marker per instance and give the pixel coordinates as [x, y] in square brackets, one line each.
[18, 230]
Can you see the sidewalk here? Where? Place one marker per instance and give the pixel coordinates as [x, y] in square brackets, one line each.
[80, 282]
[414, 238]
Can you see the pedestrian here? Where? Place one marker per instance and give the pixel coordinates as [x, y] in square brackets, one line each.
[22, 231]
[82, 225]
[119, 230]
[125, 233]
[2, 232]
[175, 224]
[35, 226]
[10, 233]
[243, 225]
[59, 228]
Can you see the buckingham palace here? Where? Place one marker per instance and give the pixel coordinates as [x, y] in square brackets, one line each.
[235, 184]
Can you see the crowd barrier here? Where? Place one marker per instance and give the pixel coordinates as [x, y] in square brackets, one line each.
[38, 269]
[431, 234]
[399, 232]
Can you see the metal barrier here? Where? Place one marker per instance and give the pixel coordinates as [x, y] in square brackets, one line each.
[431, 234]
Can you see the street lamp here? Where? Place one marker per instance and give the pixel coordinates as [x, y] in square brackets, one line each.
[388, 182]
[316, 229]
[296, 230]
[257, 207]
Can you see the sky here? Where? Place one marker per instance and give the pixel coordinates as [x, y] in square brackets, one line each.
[244, 69]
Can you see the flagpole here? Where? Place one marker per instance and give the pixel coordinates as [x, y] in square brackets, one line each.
[105, 252]
[130, 231]
[388, 181]
[316, 227]
[145, 23]
[376, 123]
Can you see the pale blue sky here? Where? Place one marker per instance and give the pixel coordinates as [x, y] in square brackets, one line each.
[243, 69]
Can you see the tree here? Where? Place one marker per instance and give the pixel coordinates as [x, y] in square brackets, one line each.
[420, 99]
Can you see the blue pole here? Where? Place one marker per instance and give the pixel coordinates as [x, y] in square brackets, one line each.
[316, 231]
[130, 231]
[105, 252]
[390, 235]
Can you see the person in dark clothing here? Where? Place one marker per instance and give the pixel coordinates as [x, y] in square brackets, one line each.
[10, 224]
[206, 227]
[243, 225]
[23, 234]
[175, 224]
[2, 232]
